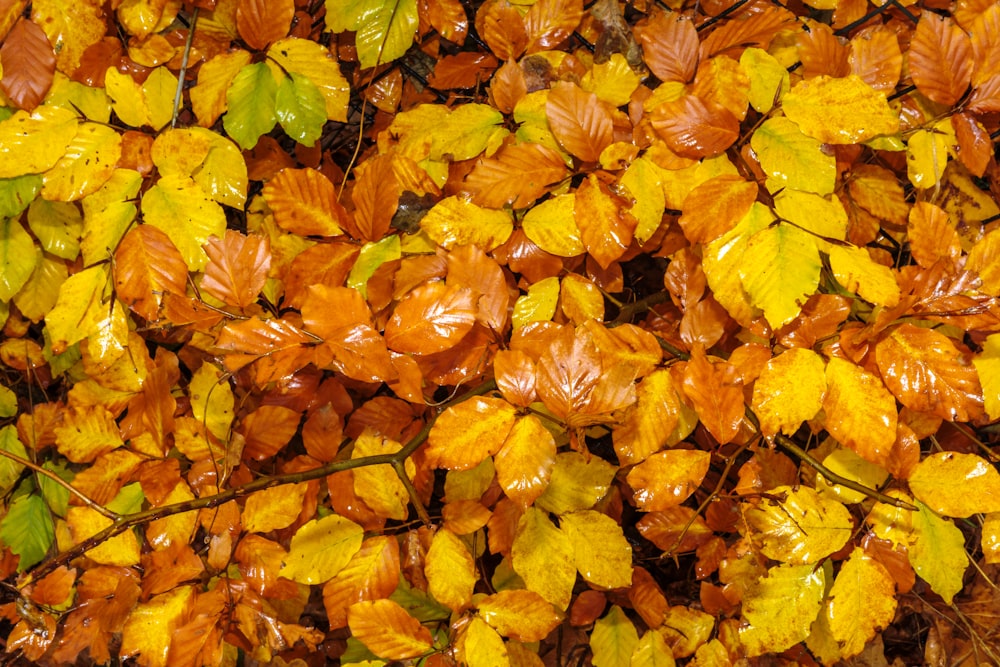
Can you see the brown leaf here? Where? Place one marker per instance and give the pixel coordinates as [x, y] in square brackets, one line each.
[580, 121]
[716, 393]
[715, 207]
[517, 175]
[237, 267]
[758, 29]
[261, 22]
[322, 264]
[549, 22]
[502, 28]
[304, 202]
[940, 59]
[606, 226]
[448, 18]
[821, 52]
[669, 46]
[375, 196]
[432, 318]
[147, 264]
[875, 57]
[693, 128]
[468, 266]
[29, 64]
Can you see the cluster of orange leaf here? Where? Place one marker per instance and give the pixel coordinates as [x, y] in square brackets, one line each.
[503, 332]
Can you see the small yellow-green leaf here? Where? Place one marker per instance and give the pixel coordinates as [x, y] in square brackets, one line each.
[768, 78]
[89, 161]
[551, 225]
[318, 64]
[781, 607]
[862, 602]
[645, 184]
[160, 91]
[450, 570]
[793, 160]
[847, 464]
[839, 110]
[780, 270]
[652, 651]
[577, 483]
[321, 548]
[539, 304]
[58, 226]
[300, 108]
[78, 307]
[17, 192]
[822, 215]
[602, 554]
[18, 257]
[542, 555]
[250, 99]
[107, 214]
[859, 273]
[372, 256]
[722, 258]
[614, 639]
[212, 400]
[937, 552]
[385, 30]
[926, 158]
[798, 526]
[182, 210]
[956, 484]
[127, 98]
[481, 646]
[10, 470]
[457, 222]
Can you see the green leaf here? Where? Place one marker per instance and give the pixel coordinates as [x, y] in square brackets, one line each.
[385, 28]
[372, 256]
[937, 552]
[614, 639]
[251, 101]
[28, 529]
[419, 604]
[129, 500]
[780, 270]
[301, 108]
[18, 257]
[9, 442]
[56, 495]
[16, 193]
[792, 159]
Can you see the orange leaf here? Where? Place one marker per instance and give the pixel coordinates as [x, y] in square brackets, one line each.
[147, 264]
[694, 128]
[667, 479]
[237, 267]
[549, 22]
[375, 196]
[876, 58]
[387, 630]
[304, 202]
[940, 59]
[465, 434]
[448, 18]
[716, 393]
[520, 614]
[466, 69]
[670, 46]
[716, 206]
[647, 597]
[371, 574]
[278, 348]
[29, 64]
[975, 148]
[758, 29]
[932, 235]
[517, 175]
[502, 28]
[273, 508]
[261, 22]
[268, 429]
[606, 226]
[860, 411]
[432, 318]
[821, 52]
[468, 266]
[675, 530]
[928, 372]
[648, 424]
[322, 264]
[524, 464]
[515, 376]
[579, 120]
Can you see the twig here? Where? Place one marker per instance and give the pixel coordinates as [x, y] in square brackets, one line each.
[184, 65]
[630, 310]
[97, 507]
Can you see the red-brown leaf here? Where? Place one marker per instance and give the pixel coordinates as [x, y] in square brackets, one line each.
[147, 264]
[695, 129]
[261, 22]
[29, 63]
[502, 28]
[323, 264]
[375, 196]
[237, 267]
[670, 46]
[758, 29]
[940, 59]
[580, 121]
[716, 206]
[716, 393]
[549, 22]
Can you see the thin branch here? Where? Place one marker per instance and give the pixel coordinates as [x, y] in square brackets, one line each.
[97, 507]
[629, 311]
[184, 65]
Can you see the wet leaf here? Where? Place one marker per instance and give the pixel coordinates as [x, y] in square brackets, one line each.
[862, 602]
[614, 639]
[519, 614]
[450, 571]
[799, 527]
[789, 391]
[958, 485]
[839, 111]
[667, 479]
[781, 607]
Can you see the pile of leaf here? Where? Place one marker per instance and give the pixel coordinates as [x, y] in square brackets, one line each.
[513, 332]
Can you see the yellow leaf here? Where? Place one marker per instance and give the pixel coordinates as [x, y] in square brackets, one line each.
[520, 614]
[580, 299]
[87, 433]
[533, 123]
[644, 182]
[648, 423]
[39, 294]
[178, 152]
[839, 111]
[387, 630]
[31, 143]
[799, 526]
[524, 464]
[991, 538]
[57, 226]
[768, 78]
[789, 391]
[926, 158]
[321, 548]
[467, 131]
[846, 463]
[320, 66]
[576, 483]
[160, 89]
[127, 98]
[937, 552]
[821, 215]
[371, 574]
[542, 555]
[223, 174]
[955, 484]
[860, 412]
[781, 607]
[602, 554]
[614, 639]
[273, 508]
[551, 225]
[722, 258]
[791, 159]
[149, 630]
[121, 550]
[186, 214]
[859, 273]
[208, 96]
[212, 400]
[107, 214]
[862, 602]
[667, 479]
[892, 523]
[456, 222]
[685, 629]
[467, 433]
[177, 528]
[481, 646]
[982, 260]
[539, 304]
[450, 570]
[779, 271]
[18, 258]
[78, 309]
[987, 365]
[89, 161]
[379, 486]
[652, 651]
[612, 81]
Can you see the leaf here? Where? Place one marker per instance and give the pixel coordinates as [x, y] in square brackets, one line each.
[779, 271]
[517, 175]
[576, 484]
[127, 98]
[453, 221]
[716, 393]
[860, 412]
[18, 258]
[431, 318]
[519, 614]
[987, 365]
[579, 120]
[769, 80]
[525, 461]
[937, 552]
[781, 607]
[839, 111]
[551, 225]
[789, 391]
[38, 139]
[792, 159]
[387, 630]
[667, 479]
[800, 526]
[927, 373]
[862, 602]
[670, 46]
[849, 465]
[237, 268]
[714, 207]
[208, 95]
[602, 554]
[90, 159]
[648, 424]
[451, 571]
[549, 22]
[376, 197]
[320, 67]
[467, 433]
[955, 484]
[926, 158]
[694, 128]
[378, 485]
[160, 90]
[87, 433]
[481, 646]
[652, 651]
[146, 266]
[212, 400]
[857, 272]
[940, 59]
[261, 22]
[605, 228]
[823, 216]
[27, 530]
[613, 639]
[300, 108]
[304, 201]
[543, 556]
[28, 65]
[181, 209]
[371, 574]
[321, 548]
[276, 508]
[384, 31]
[250, 101]
[468, 266]
[371, 257]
